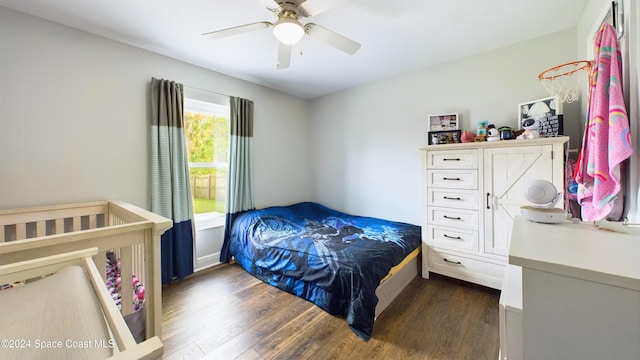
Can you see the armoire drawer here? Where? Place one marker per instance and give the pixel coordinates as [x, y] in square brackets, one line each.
[453, 198]
[457, 159]
[454, 218]
[461, 267]
[453, 179]
[452, 238]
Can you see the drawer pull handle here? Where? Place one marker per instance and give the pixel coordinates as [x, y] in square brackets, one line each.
[451, 179]
[452, 262]
[451, 198]
[488, 195]
[452, 159]
[452, 237]
[452, 217]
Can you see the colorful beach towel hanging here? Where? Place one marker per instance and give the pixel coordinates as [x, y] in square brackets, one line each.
[607, 140]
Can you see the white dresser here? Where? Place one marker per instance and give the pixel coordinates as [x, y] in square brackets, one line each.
[471, 192]
[580, 296]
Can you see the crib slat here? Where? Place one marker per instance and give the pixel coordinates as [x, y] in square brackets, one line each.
[138, 262]
[101, 263]
[59, 226]
[114, 220]
[126, 271]
[41, 228]
[1, 233]
[93, 221]
[77, 223]
[21, 231]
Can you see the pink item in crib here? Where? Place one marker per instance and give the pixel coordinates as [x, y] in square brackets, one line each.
[607, 140]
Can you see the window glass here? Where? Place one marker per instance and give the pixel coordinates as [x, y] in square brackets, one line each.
[207, 134]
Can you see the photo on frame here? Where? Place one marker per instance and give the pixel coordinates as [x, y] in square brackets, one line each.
[442, 122]
[444, 137]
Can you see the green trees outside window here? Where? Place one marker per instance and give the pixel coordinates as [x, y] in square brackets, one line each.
[208, 146]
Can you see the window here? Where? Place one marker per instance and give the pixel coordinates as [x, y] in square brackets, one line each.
[207, 134]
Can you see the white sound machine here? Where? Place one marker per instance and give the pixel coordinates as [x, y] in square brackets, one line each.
[544, 196]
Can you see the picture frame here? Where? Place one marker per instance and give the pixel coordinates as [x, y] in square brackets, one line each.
[539, 110]
[444, 137]
[444, 122]
[552, 126]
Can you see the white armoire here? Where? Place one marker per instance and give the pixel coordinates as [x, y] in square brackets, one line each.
[471, 194]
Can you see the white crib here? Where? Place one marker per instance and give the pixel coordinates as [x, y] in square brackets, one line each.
[44, 240]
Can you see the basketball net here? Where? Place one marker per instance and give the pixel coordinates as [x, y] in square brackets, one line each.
[564, 80]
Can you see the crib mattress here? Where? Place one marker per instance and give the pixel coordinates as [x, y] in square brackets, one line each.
[58, 317]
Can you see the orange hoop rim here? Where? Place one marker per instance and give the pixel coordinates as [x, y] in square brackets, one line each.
[579, 66]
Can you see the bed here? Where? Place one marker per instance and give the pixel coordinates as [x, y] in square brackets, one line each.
[348, 265]
[58, 257]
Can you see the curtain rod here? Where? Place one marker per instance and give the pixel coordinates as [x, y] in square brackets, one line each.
[209, 91]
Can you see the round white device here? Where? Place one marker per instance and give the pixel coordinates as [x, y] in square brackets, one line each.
[544, 196]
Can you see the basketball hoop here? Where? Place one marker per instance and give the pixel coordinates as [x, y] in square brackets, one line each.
[564, 80]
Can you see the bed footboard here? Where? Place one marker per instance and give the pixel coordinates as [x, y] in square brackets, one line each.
[398, 279]
[131, 233]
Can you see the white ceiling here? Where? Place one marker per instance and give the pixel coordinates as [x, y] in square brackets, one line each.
[397, 36]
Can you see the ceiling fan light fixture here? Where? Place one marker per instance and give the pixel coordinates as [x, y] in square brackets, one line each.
[288, 31]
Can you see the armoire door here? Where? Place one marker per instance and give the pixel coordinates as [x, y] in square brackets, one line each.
[506, 173]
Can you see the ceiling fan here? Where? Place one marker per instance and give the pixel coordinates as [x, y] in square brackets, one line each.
[288, 29]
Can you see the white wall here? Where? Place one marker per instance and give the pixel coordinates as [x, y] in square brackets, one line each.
[74, 110]
[365, 140]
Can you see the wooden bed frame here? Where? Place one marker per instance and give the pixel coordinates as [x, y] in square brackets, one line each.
[129, 231]
[398, 278]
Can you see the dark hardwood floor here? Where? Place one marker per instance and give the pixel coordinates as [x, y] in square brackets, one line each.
[225, 313]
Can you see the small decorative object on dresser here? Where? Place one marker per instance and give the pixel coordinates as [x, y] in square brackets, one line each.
[542, 117]
[505, 133]
[443, 122]
[492, 133]
[483, 126]
[445, 137]
[467, 136]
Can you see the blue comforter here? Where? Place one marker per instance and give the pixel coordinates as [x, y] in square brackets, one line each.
[332, 259]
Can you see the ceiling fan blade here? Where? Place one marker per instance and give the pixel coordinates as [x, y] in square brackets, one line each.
[219, 34]
[315, 7]
[331, 38]
[269, 4]
[284, 55]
